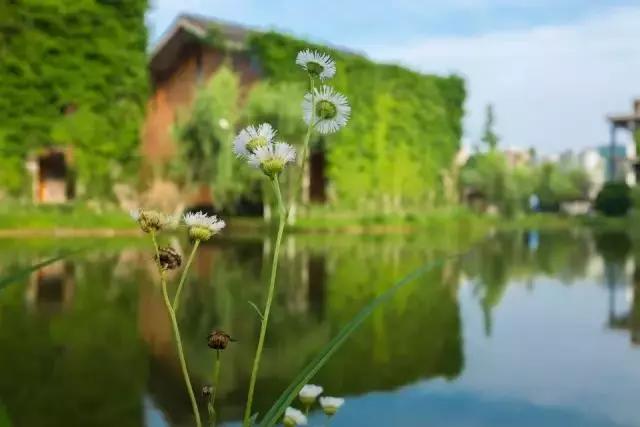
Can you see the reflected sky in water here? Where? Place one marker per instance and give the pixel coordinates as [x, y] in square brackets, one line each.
[530, 329]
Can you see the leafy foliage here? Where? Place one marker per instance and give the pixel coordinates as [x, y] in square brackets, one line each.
[72, 73]
[405, 127]
[509, 187]
[614, 199]
[489, 136]
[204, 133]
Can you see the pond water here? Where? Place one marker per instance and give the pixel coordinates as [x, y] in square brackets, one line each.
[528, 329]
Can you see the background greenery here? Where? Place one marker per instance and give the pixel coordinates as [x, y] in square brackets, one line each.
[405, 127]
[84, 55]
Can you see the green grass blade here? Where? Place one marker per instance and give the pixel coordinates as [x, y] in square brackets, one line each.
[275, 413]
[12, 276]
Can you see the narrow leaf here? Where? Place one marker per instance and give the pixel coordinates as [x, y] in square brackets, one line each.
[12, 276]
[255, 307]
[285, 399]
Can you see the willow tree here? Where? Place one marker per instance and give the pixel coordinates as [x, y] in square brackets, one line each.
[204, 133]
[279, 105]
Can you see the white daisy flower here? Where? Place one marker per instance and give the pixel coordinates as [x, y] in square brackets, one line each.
[317, 64]
[272, 158]
[330, 405]
[309, 393]
[251, 138]
[202, 226]
[331, 112]
[294, 417]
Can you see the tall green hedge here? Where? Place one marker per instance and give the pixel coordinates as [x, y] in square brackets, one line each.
[405, 127]
[85, 55]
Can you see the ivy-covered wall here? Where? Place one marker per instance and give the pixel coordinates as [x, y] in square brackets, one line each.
[87, 56]
[405, 127]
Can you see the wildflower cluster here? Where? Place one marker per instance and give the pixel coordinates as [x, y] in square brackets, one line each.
[324, 109]
[259, 147]
[308, 396]
[201, 227]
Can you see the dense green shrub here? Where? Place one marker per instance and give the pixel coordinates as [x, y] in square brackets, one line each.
[614, 199]
[60, 56]
[405, 128]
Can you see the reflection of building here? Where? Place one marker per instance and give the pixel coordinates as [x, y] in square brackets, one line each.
[629, 122]
[630, 319]
[51, 287]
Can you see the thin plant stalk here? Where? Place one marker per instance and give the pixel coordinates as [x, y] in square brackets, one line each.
[216, 376]
[176, 333]
[307, 137]
[185, 271]
[267, 309]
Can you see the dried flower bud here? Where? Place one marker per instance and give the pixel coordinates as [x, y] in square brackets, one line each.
[168, 258]
[207, 391]
[150, 220]
[219, 340]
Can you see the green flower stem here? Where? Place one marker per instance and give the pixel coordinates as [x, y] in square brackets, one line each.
[307, 138]
[267, 309]
[176, 333]
[216, 376]
[176, 298]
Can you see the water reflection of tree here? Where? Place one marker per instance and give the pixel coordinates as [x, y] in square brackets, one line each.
[83, 365]
[615, 249]
[510, 257]
[323, 285]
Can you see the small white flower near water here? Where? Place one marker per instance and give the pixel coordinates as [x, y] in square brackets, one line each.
[253, 137]
[309, 393]
[294, 417]
[202, 226]
[317, 64]
[330, 405]
[272, 158]
[331, 111]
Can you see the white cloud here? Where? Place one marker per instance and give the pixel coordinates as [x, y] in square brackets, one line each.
[551, 86]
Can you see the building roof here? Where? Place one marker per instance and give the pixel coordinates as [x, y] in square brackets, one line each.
[629, 121]
[182, 32]
[187, 27]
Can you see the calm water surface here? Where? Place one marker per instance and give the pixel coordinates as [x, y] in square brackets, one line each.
[530, 329]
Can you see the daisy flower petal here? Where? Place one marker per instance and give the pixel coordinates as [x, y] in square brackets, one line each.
[272, 158]
[328, 109]
[251, 138]
[317, 64]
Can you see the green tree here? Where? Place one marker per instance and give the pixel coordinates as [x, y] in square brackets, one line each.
[489, 137]
[400, 118]
[60, 56]
[204, 134]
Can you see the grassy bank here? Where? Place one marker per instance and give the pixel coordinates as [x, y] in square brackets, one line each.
[80, 219]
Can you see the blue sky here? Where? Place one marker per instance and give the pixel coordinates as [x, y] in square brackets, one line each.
[552, 68]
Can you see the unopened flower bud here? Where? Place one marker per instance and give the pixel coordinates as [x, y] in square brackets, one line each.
[293, 418]
[168, 258]
[219, 340]
[330, 405]
[309, 393]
